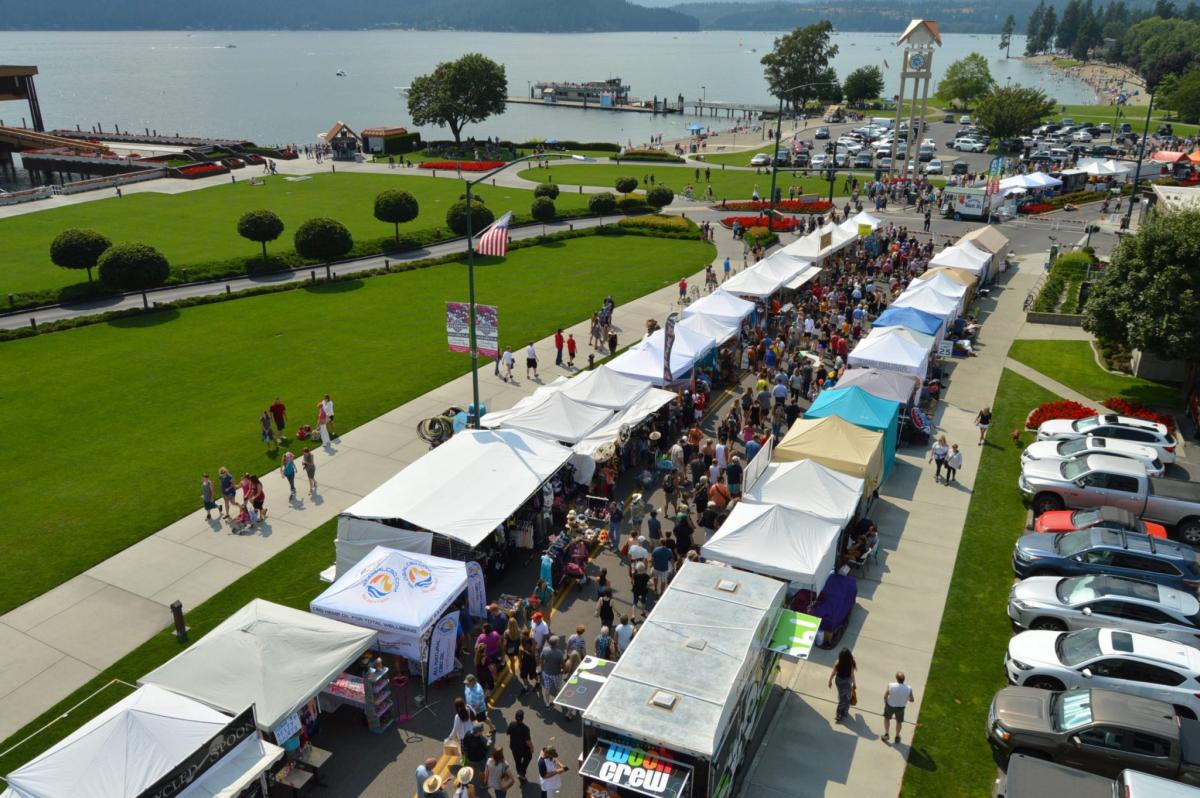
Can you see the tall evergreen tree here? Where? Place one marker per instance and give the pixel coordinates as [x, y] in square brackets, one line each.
[1033, 28]
[1006, 33]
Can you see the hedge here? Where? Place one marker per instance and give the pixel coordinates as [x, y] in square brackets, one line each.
[666, 224]
[761, 236]
[1067, 269]
[646, 155]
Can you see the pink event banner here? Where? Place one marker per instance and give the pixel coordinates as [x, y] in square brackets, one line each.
[487, 328]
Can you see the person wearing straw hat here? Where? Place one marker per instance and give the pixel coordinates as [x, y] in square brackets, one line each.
[462, 783]
[433, 787]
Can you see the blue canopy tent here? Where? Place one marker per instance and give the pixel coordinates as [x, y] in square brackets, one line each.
[864, 410]
[911, 318]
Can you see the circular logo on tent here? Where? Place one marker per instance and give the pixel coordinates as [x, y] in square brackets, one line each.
[447, 625]
[419, 577]
[380, 583]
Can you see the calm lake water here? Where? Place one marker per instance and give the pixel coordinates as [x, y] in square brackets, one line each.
[275, 87]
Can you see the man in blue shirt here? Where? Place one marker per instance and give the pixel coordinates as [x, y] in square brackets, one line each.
[662, 557]
[615, 516]
[653, 525]
[752, 447]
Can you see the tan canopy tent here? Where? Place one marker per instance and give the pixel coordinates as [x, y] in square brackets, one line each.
[990, 240]
[836, 443]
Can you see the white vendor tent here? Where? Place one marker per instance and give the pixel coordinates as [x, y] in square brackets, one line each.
[722, 306]
[851, 225]
[808, 486]
[943, 285]
[708, 327]
[810, 245]
[887, 349]
[637, 412]
[964, 255]
[604, 387]
[1029, 180]
[884, 384]
[274, 657]
[557, 417]
[501, 468]
[781, 266]
[142, 739]
[774, 540]
[933, 303]
[645, 360]
[806, 274]
[397, 594]
[751, 283]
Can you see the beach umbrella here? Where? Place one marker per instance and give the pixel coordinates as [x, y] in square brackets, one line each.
[551, 141]
[695, 128]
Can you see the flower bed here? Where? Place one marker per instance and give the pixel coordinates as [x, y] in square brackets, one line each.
[1125, 407]
[785, 206]
[202, 170]
[785, 224]
[466, 166]
[1057, 410]
[1034, 208]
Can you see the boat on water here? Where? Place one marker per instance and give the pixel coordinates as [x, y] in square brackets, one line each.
[231, 47]
[341, 73]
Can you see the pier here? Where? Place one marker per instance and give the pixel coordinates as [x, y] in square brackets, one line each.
[586, 106]
[726, 109]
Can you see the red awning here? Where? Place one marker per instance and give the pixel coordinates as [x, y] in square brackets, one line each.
[1167, 156]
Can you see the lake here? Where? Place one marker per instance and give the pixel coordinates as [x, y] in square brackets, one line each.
[283, 86]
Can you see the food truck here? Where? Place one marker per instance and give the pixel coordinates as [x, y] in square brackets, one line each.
[673, 718]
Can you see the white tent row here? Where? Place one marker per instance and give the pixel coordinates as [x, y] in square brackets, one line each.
[710, 327]
[888, 348]
[556, 417]
[649, 402]
[748, 282]
[810, 246]
[966, 256]
[944, 286]
[862, 218]
[1099, 167]
[810, 487]
[777, 540]
[781, 266]
[1030, 180]
[932, 302]
[807, 274]
[722, 306]
[646, 361]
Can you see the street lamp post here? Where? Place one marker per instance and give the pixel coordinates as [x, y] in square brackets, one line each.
[471, 279]
[778, 134]
[1137, 175]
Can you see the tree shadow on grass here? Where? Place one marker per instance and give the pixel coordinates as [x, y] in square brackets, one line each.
[149, 318]
[335, 287]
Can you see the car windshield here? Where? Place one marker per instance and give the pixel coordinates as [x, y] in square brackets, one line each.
[1076, 648]
[1074, 709]
[1086, 518]
[1073, 447]
[1070, 543]
[1074, 469]
[1078, 589]
[1085, 424]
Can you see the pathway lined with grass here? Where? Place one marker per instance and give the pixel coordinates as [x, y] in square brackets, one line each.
[1073, 363]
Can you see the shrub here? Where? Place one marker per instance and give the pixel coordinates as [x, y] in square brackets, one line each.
[602, 203]
[548, 190]
[784, 223]
[481, 216]
[542, 210]
[761, 236]
[1068, 269]
[261, 226]
[624, 185]
[784, 206]
[646, 155]
[666, 224]
[133, 266]
[659, 197]
[632, 205]
[78, 249]
[465, 166]
[1057, 410]
[323, 239]
[396, 207]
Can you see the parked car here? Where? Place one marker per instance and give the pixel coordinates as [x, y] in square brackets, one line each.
[1101, 480]
[841, 160]
[1099, 551]
[948, 119]
[1060, 450]
[1082, 136]
[862, 160]
[821, 133]
[885, 163]
[1080, 602]
[934, 167]
[1113, 519]
[925, 153]
[965, 119]
[1105, 127]
[1165, 129]
[819, 161]
[800, 159]
[1124, 127]
[762, 159]
[1030, 777]
[959, 168]
[1067, 121]
[967, 145]
[1110, 659]
[783, 158]
[1110, 425]
[1100, 731]
[1105, 151]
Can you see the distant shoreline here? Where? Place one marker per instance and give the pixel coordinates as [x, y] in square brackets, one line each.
[1103, 78]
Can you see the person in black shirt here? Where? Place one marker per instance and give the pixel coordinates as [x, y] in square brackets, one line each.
[520, 742]
[792, 412]
[683, 535]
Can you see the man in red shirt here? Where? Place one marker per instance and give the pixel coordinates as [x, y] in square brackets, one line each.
[682, 288]
[279, 413]
[571, 348]
[558, 347]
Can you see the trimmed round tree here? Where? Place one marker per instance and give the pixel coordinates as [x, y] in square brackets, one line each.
[543, 211]
[133, 266]
[660, 197]
[78, 249]
[481, 216]
[602, 203]
[396, 207]
[323, 239]
[549, 190]
[624, 185]
[261, 226]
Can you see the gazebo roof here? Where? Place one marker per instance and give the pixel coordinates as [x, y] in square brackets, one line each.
[338, 128]
[927, 25]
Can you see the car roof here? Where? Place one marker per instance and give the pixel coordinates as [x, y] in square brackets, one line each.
[1116, 465]
[1132, 421]
[1154, 649]
[1135, 541]
[1101, 443]
[1144, 714]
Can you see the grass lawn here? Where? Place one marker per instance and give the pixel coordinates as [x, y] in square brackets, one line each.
[736, 158]
[1134, 115]
[950, 755]
[289, 578]
[731, 185]
[1073, 364]
[121, 419]
[201, 226]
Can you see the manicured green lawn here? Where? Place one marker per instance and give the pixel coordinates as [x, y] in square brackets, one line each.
[1134, 115]
[201, 226]
[737, 158]
[950, 754]
[117, 421]
[1073, 364]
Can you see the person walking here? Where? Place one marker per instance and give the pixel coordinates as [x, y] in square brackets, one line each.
[552, 665]
[896, 697]
[520, 742]
[309, 463]
[550, 770]
[462, 783]
[531, 361]
[623, 635]
[559, 342]
[278, 411]
[616, 514]
[604, 644]
[527, 662]
[268, 434]
[327, 406]
[287, 470]
[953, 463]
[509, 363]
[937, 456]
[497, 775]
[258, 497]
[726, 268]
[843, 673]
[983, 421]
[228, 489]
[572, 348]
[207, 496]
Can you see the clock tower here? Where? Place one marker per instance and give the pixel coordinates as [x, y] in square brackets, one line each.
[916, 69]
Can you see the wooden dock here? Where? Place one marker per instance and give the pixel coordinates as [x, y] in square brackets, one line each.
[635, 109]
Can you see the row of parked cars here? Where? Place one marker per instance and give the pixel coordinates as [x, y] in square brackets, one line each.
[1105, 665]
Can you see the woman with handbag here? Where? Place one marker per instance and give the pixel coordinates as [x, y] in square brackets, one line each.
[497, 775]
[843, 673]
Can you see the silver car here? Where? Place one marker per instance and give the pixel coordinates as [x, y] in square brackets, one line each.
[1080, 602]
[1093, 444]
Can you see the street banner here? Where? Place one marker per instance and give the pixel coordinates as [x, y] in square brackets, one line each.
[995, 170]
[794, 635]
[476, 590]
[668, 343]
[442, 643]
[487, 328]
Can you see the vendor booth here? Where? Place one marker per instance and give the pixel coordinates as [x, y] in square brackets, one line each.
[709, 327]
[806, 275]
[722, 306]
[860, 223]
[778, 541]
[277, 658]
[645, 360]
[957, 275]
[810, 487]
[557, 417]
[604, 387]
[884, 384]
[933, 303]
[946, 287]
[781, 266]
[676, 716]
[966, 256]
[911, 318]
[991, 240]
[838, 444]
[751, 283]
[821, 243]
[864, 410]
[152, 744]
[890, 349]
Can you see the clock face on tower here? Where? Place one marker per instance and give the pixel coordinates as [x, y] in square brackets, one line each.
[916, 61]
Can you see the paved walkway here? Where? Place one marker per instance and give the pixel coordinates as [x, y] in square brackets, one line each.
[1053, 385]
[57, 642]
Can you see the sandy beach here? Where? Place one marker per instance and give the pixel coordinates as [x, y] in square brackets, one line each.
[1106, 80]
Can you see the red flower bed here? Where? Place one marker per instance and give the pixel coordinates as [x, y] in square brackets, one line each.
[1124, 407]
[783, 224]
[785, 206]
[203, 170]
[1034, 208]
[466, 166]
[1056, 410]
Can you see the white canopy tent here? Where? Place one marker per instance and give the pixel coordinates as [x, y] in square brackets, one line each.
[806, 274]
[851, 225]
[778, 541]
[945, 286]
[964, 255]
[722, 306]
[810, 487]
[890, 350]
[604, 387]
[933, 303]
[645, 360]
[751, 283]
[399, 595]
[649, 402]
[884, 384]
[556, 417]
[502, 468]
[810, 245]
[781, 266]
[708, 327]
[1029, 180]
[274, 657]
[131, 746]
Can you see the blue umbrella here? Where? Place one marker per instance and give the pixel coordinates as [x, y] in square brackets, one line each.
[551, 141]
[694, 127]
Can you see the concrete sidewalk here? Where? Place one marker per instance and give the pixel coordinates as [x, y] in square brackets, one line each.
[900, 601]
[55, 643]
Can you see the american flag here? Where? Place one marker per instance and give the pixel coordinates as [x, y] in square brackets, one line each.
[494, 239]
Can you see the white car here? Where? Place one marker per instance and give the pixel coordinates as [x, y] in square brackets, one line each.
[885, 163]
[934, 167]
[1082, 136]
[1058, 450]
[969, 145]
[819, 160]
[1108, 659]
[762, 159]
[965, 119]
[1126, 428]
